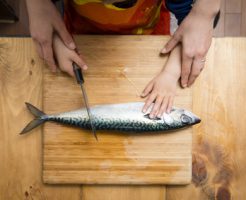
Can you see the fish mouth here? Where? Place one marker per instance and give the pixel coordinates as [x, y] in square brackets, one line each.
[197, 120]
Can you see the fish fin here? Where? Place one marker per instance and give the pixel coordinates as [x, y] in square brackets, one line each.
[35, 111]
[33, 124]
[36, 122]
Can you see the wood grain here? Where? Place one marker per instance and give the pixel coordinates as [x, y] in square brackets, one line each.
[219, 141]
[102, 192]
[20, 156]
[120, 67]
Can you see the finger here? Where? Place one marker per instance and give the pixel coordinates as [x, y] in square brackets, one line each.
[156, 107]
[163, 107]
[170, 104]
[69, 70]
[148, 102]
[49, 56]
[185, 69]
[147, 89]
[66, 66]
[39, 49]
[175, 39]
[79, 61]
[196, 69]
[65, 35]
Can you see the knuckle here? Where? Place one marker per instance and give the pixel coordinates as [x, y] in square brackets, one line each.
[44, 41]
[189, 53]
[177, 36]
[34, 34]
[196, 72]
[185, 72]
[201, 51]
[148, 102]
[38, 37]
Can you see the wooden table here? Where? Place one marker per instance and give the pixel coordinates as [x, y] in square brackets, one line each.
[218, 143]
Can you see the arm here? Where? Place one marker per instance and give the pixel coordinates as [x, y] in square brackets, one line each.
[44, 20]
[161, 89]
[195, 34]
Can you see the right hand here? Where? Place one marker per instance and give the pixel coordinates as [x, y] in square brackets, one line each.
[160, 91]
[44, 20]
[65, 57]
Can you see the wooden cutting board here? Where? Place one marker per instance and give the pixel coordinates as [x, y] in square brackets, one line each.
[119, 69]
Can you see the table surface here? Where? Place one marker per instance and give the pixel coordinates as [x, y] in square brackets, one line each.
[219, 142]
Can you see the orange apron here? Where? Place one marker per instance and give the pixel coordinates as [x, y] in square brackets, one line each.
[117, 17]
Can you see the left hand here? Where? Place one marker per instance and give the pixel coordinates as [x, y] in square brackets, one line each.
[195, 35]
[161, 92]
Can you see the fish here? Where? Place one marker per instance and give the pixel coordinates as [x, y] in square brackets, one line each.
[125, 117]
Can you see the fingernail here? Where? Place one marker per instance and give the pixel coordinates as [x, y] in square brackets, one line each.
[184, 85]
[85, 67]
[144, 110]
[159, 116]
[164, 50]
[151, 115]
[168, 111]
[72, 45]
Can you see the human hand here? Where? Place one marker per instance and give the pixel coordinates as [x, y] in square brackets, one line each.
[160, 91]
[195, 35]
[44, 20]
[65, 57]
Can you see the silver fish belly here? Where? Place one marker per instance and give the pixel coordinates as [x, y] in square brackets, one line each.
[126, 117]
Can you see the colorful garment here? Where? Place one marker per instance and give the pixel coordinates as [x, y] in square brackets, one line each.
[121, 16]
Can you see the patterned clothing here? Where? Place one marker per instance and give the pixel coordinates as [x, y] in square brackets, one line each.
[120, 16]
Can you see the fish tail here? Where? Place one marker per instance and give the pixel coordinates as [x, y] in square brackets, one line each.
[37, 121]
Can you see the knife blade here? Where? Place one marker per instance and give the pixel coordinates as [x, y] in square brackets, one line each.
[80, 81]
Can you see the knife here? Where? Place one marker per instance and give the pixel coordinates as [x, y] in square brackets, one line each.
[80, 81]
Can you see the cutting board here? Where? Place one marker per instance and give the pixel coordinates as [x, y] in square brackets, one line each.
[119, 69]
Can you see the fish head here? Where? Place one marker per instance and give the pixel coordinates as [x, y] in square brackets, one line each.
[180, 117]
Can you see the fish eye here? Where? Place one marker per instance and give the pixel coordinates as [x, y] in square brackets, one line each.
[186, 119]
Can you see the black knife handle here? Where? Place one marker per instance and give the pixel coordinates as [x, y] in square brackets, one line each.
[78, 73]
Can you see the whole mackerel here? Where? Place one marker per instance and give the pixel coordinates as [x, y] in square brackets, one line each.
[126, 117]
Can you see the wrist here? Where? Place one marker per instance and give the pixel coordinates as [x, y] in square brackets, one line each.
[172, 74]
[206, 8]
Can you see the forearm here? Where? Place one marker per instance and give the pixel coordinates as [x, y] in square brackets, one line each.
[34, 5]
[181, 8]
[207, 8]
[173, 65]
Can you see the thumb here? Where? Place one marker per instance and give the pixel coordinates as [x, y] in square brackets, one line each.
[173, 41]
[65, 36]
[147, 89]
